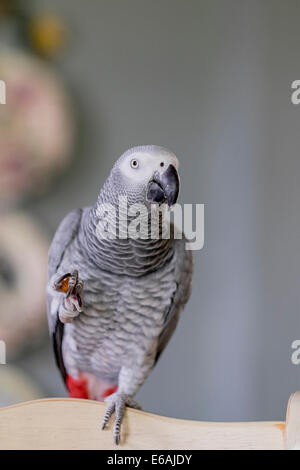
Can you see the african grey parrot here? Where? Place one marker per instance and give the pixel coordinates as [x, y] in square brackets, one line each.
[114, 303]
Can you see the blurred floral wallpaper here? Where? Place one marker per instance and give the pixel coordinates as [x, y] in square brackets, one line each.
[37, 138]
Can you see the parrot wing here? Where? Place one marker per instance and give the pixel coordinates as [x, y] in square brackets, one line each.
[183, 279]
[64, 236]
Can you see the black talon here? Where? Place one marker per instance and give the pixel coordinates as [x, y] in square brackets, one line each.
[72, 283]
[79, 300]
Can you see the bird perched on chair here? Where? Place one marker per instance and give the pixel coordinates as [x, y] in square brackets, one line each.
[114, 302]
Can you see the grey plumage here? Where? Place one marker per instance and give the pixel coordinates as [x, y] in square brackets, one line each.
[134, 289]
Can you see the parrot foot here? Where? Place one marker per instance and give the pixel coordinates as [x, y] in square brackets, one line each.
[72, 287]
[117, 403]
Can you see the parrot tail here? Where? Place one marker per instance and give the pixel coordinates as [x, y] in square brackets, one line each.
[88, 386]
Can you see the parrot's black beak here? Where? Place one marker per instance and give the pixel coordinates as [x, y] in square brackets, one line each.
[164, 187]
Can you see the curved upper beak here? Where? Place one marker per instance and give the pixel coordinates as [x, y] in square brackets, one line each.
[164, 187]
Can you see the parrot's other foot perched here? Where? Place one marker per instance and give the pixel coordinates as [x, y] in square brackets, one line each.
[72, 287]
[117, 403]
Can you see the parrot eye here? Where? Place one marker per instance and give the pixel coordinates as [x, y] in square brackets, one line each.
[134, 164]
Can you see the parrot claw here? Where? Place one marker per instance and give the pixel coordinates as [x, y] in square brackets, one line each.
[72, 287]
[117, 403]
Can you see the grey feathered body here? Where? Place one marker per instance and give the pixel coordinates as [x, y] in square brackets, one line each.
[134, 292]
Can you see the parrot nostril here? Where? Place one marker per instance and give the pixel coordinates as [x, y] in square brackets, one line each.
[162, 164]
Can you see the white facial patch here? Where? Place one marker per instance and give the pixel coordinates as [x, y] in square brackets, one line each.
[147, 164]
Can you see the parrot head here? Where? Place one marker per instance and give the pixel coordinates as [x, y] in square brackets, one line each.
[147, 175]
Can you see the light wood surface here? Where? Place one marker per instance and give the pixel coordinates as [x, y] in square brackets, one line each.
[75, 424]
[292, 434]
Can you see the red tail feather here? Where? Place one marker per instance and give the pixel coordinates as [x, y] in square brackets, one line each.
[79, 388]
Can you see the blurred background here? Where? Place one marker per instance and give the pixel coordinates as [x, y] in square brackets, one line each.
[211, 80]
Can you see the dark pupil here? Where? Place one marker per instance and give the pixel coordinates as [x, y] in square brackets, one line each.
[134, 163]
